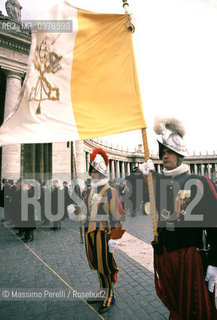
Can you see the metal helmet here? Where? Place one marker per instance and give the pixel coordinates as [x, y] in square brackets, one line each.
[99, 161]
[171, 133]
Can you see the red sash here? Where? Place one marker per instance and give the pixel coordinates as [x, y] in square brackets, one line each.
[180, 284]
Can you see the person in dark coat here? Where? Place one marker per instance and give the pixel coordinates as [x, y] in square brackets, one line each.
[16, 208]
[135, 191]
[67, 199]
[87, 188]
[2, 194]
[44, 219]
[9, 192]
[25, 225]
[29, 226]
[57, 201]
[185, 253]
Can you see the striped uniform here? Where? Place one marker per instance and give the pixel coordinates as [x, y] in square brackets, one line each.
[104, 210]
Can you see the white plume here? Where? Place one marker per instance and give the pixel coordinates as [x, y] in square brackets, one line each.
[173, 124]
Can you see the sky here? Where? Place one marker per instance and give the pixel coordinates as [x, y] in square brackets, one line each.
[175, 46]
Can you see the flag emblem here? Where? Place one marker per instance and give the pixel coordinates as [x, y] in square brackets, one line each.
[45, 61]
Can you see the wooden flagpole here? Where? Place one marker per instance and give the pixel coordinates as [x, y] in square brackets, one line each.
[147, 157]
[76, 175]
[150, 187]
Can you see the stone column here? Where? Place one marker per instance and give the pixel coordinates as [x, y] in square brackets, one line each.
[215, 173]
[80, 162]
[108, 172]
[212, 172]
[128, 168]
[88, 161]
[195, 168]
[122, 170]
[11, 167]
[117, 170]
[112, 176]
[202, 170]
[80, 156]
[209, 170]
[61, 161]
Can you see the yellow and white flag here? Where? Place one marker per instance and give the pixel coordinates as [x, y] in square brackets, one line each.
[80, 84]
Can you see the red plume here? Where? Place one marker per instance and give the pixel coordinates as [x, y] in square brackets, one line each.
[103, 154]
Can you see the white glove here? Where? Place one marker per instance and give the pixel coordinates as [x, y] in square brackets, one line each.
[74, 214]
[71, 209]
[112, 243]
[211, 277]
[145, 167]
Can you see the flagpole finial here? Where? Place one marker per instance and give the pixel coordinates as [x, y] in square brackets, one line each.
[130, 25]
[125, 6]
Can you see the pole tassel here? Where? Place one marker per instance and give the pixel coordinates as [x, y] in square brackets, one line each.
[38, 111]
[129, 24]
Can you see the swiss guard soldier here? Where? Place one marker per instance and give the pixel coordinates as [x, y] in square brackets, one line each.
[104, 211]
[185, 257]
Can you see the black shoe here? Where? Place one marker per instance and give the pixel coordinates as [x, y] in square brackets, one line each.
[106, 308]
[20, 233]
[103, 309]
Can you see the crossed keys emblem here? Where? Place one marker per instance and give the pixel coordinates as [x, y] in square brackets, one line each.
[45, 61]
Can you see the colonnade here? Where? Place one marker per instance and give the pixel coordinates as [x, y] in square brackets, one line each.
[122, 162]
[205, 168]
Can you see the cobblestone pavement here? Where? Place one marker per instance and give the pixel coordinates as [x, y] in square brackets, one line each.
[55, 263]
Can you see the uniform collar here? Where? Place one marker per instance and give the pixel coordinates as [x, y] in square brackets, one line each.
[177, 171]
[99, 183]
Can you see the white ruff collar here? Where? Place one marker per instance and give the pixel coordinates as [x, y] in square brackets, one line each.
[177, 171]
[99, 182]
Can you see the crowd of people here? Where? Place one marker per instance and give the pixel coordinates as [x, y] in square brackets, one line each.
[22, 212]
[59, 195]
